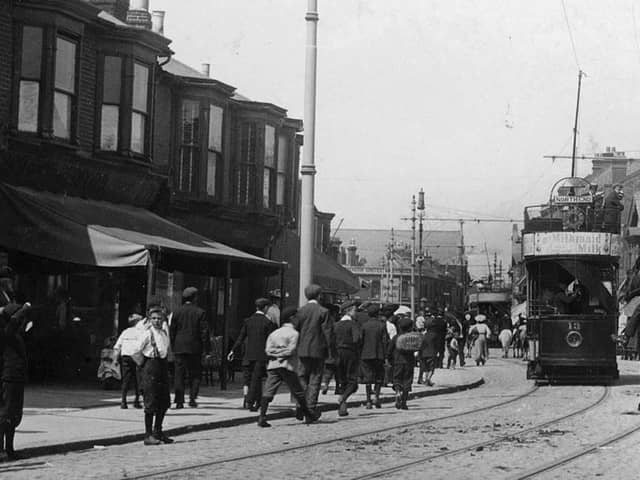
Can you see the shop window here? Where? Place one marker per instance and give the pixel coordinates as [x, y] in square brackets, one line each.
[30, 79]
[214, 148]
[139, 107]
[111, 95]
[189, 151]
[283, 165]
[269, 165]
[246, 170]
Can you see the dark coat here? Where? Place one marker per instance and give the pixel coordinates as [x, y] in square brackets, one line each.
[255, 330]
[13, 352]
[348, 335]
[375, 339]
[612, 208]
[316, 331]
[189, 331]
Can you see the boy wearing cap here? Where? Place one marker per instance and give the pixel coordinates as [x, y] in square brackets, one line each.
[282, 367]
[255, 331]
[348, 337]
[374, 346]
[189, 333]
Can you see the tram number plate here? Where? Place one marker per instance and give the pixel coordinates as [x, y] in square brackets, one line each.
[574, 325]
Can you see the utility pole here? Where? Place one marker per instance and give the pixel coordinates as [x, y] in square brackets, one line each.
[308, 169]
[421, 213]
[412, 291]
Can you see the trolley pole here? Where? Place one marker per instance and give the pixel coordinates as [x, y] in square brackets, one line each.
[308, 169]
[575, 127]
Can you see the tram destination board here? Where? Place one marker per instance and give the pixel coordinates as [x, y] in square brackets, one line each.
[570, 243]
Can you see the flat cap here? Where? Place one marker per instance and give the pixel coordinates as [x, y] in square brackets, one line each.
[287, 314]
[189, 292]
[347, 305]
[373, 310]
[7, 272]
[262, 302]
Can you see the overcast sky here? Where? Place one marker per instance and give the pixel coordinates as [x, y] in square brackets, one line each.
[461, 98]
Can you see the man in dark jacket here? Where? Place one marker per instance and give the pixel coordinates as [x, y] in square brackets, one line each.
[374, 348]
[13, 363]
[255, 330]
[348, 336]
[315, 343]
[612, 209]
[189, 334]
[439, 327]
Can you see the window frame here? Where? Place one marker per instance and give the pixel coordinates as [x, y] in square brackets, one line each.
[282, 171]
[100, 105]
[218, 154]
[73, 108]
[194, 146]
[268, 201]
[247, 165]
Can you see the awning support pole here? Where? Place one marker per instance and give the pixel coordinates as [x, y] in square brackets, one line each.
[152, 268]
[282, 293]
[225, 326]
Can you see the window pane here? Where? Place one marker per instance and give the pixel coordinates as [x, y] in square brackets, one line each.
[186, 169]
[61, 115]
[140, 86]
[137, 132]
[283, 154]
[269, 146]
[190, 122]
[65, 65]
[266, 188]
[215, 128]
[31, 52]
[28, 109]
[212, 160]
[248, 146]
[280, 189]
[112, 80]
[109, 127]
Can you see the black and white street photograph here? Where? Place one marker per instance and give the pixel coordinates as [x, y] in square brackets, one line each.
[319, 239]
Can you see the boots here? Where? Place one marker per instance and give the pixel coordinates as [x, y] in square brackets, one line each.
[398, 400]
[342, 407]
[11, 453]
[368, 405]
[149, 439]
[310, 416]
[262, 418]
[377, 401]
[405, 396]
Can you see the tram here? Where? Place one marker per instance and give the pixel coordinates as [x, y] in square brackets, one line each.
[570, 251]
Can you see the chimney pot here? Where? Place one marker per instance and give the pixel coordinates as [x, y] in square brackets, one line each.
[157, 21]
[139, 5]
[206, 69]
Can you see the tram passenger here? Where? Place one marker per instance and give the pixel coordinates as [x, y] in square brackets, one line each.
[561, 301]
[612, 209]
[481, 346]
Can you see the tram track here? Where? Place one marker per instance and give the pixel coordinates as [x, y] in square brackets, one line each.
[567, 459]
[481, 445]
[280, 451]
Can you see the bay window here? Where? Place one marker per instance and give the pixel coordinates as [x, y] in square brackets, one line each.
[214, 150]
[269, 165]
[283, 165]
[64, 97]
[30, 79]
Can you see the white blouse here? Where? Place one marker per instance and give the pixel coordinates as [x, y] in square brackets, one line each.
[161, 340]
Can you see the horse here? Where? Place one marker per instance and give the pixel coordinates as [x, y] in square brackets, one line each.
[505, 338]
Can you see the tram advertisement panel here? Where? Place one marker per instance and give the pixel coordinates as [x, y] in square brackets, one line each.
[570, 243]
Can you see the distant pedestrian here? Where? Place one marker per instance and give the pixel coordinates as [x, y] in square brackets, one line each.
[125, 347]
[273, 311]
[329, 370]
[281, 348]
[403, 362]
[315, 344]
[375, 341]
[13, 375]
[481, 346]
[439, 326]
[427, 354]
[452, 348]
[390, 319]
[348, 337]
[189, 333]
[155, 347]
[255, 331]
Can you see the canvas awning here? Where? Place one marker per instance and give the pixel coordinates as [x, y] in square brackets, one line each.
[332, 276]
[103, 234]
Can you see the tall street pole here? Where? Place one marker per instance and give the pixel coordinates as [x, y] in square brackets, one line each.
[413, 258]
[308, 169]
[420, 252]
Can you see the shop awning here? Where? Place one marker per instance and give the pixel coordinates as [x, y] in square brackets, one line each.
[332, 276]
[103, 234]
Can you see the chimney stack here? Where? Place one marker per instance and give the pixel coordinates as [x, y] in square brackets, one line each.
[138, 15]
[157, 21]
[206, 69]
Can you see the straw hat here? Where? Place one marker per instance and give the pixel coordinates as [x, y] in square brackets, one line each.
[481, 318]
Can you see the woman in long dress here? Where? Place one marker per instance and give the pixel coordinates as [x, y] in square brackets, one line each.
[481, 331]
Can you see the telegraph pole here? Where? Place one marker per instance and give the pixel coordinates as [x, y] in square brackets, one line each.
[421, 214]
[412, 290]
[308, 169]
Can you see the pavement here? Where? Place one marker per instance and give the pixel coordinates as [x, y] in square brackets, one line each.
[59, 419]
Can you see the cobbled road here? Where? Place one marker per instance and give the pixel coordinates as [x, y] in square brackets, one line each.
[507, 441]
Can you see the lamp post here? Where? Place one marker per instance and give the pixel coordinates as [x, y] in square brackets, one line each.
[308, 169]
[421, 214]
[412, 290]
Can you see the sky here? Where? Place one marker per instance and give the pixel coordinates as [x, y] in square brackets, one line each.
[462, 98]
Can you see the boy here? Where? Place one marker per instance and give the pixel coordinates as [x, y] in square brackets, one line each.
[282, 367]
